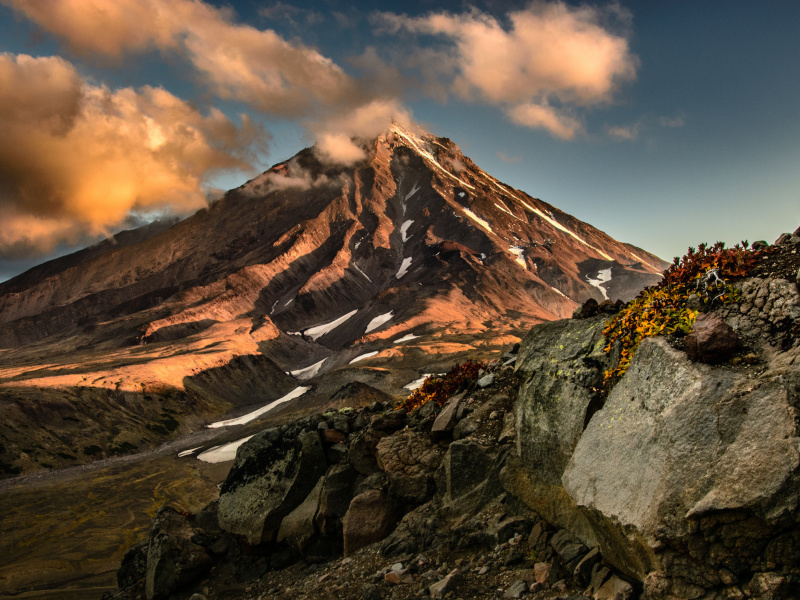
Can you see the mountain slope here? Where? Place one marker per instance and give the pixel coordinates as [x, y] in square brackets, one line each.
[413, 252]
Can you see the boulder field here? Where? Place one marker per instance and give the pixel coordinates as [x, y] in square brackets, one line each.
[680, 482]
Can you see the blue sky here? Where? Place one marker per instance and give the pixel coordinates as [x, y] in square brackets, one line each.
[685, 130]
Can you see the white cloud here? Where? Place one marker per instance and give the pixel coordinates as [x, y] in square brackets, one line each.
[551, 54]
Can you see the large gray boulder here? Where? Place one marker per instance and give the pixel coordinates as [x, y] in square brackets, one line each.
[173, 559]
[561, 364]
[270, 477]
[689, 474]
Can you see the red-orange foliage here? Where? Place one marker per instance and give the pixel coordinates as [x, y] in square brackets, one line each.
[438, 389]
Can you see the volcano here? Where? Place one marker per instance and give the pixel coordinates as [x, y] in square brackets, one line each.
[311, 272]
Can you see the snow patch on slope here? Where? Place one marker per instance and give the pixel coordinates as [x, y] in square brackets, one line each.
[224, 453]
[379, 320]
[603, 276]
[363, 356]
[404, 230]
[295, 393]
[318, 331]
[478, 220]
[413, 385]
[520, 256]
[355, 266]
[307, 372]
[406, 338]
[404, 267]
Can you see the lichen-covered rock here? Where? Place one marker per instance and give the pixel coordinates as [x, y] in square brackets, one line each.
[562, 364]
[690, 474]
[173, 559]
[270, 477]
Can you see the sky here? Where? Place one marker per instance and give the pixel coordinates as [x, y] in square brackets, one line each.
[664, 124]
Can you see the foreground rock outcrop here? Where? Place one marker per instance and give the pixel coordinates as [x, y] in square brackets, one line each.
[534, 480]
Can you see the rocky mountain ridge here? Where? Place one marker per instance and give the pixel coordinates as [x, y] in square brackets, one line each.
[682, 481]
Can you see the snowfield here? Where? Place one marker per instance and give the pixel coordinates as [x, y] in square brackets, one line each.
[295, 393]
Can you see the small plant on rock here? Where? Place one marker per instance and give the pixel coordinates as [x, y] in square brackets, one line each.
[662, 309]
[439, 389]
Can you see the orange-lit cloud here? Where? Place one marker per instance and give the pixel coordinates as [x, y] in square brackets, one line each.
[340, 138]
[77, 158]
[550, 54]
[537, 116]
[237, 61]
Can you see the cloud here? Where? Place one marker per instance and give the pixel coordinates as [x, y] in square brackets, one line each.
[671, 121]
[236, 61]
[509, 159]
[645, 123]
[340, 137]
[621, 132]
[536, 116]
[76, 159]
[550, 53]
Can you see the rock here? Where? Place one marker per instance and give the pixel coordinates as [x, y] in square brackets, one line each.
[448, 584]
[428, 410]
[486, 381]
[567, 547]
[784, 238]
[466, 475]
[446, 420]
[197, 597]
[334, 499]
[614, 589]
[370, 518]
[562, 363]
[465, 428]
[760, 245]
[270, 477]
[585, 567]
[333, 436]
[796, 232]
[704, 448]
[586, 310]
[399, 577]
[208, 518]
[516, 589]
[797, 280]
[693, 302]
[711, 340]
[361, 454]
[600, 575]
[509, 430]
[297, 528]
[409, 460]
[133, 568]
[341, 423]
[173, 560]
[541, 572]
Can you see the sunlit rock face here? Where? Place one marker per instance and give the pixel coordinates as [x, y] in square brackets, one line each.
[412, 253]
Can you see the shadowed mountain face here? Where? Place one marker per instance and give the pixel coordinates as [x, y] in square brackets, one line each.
[412, 253]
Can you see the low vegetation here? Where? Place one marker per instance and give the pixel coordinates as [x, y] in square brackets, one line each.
[663, 309]
[439, 389]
